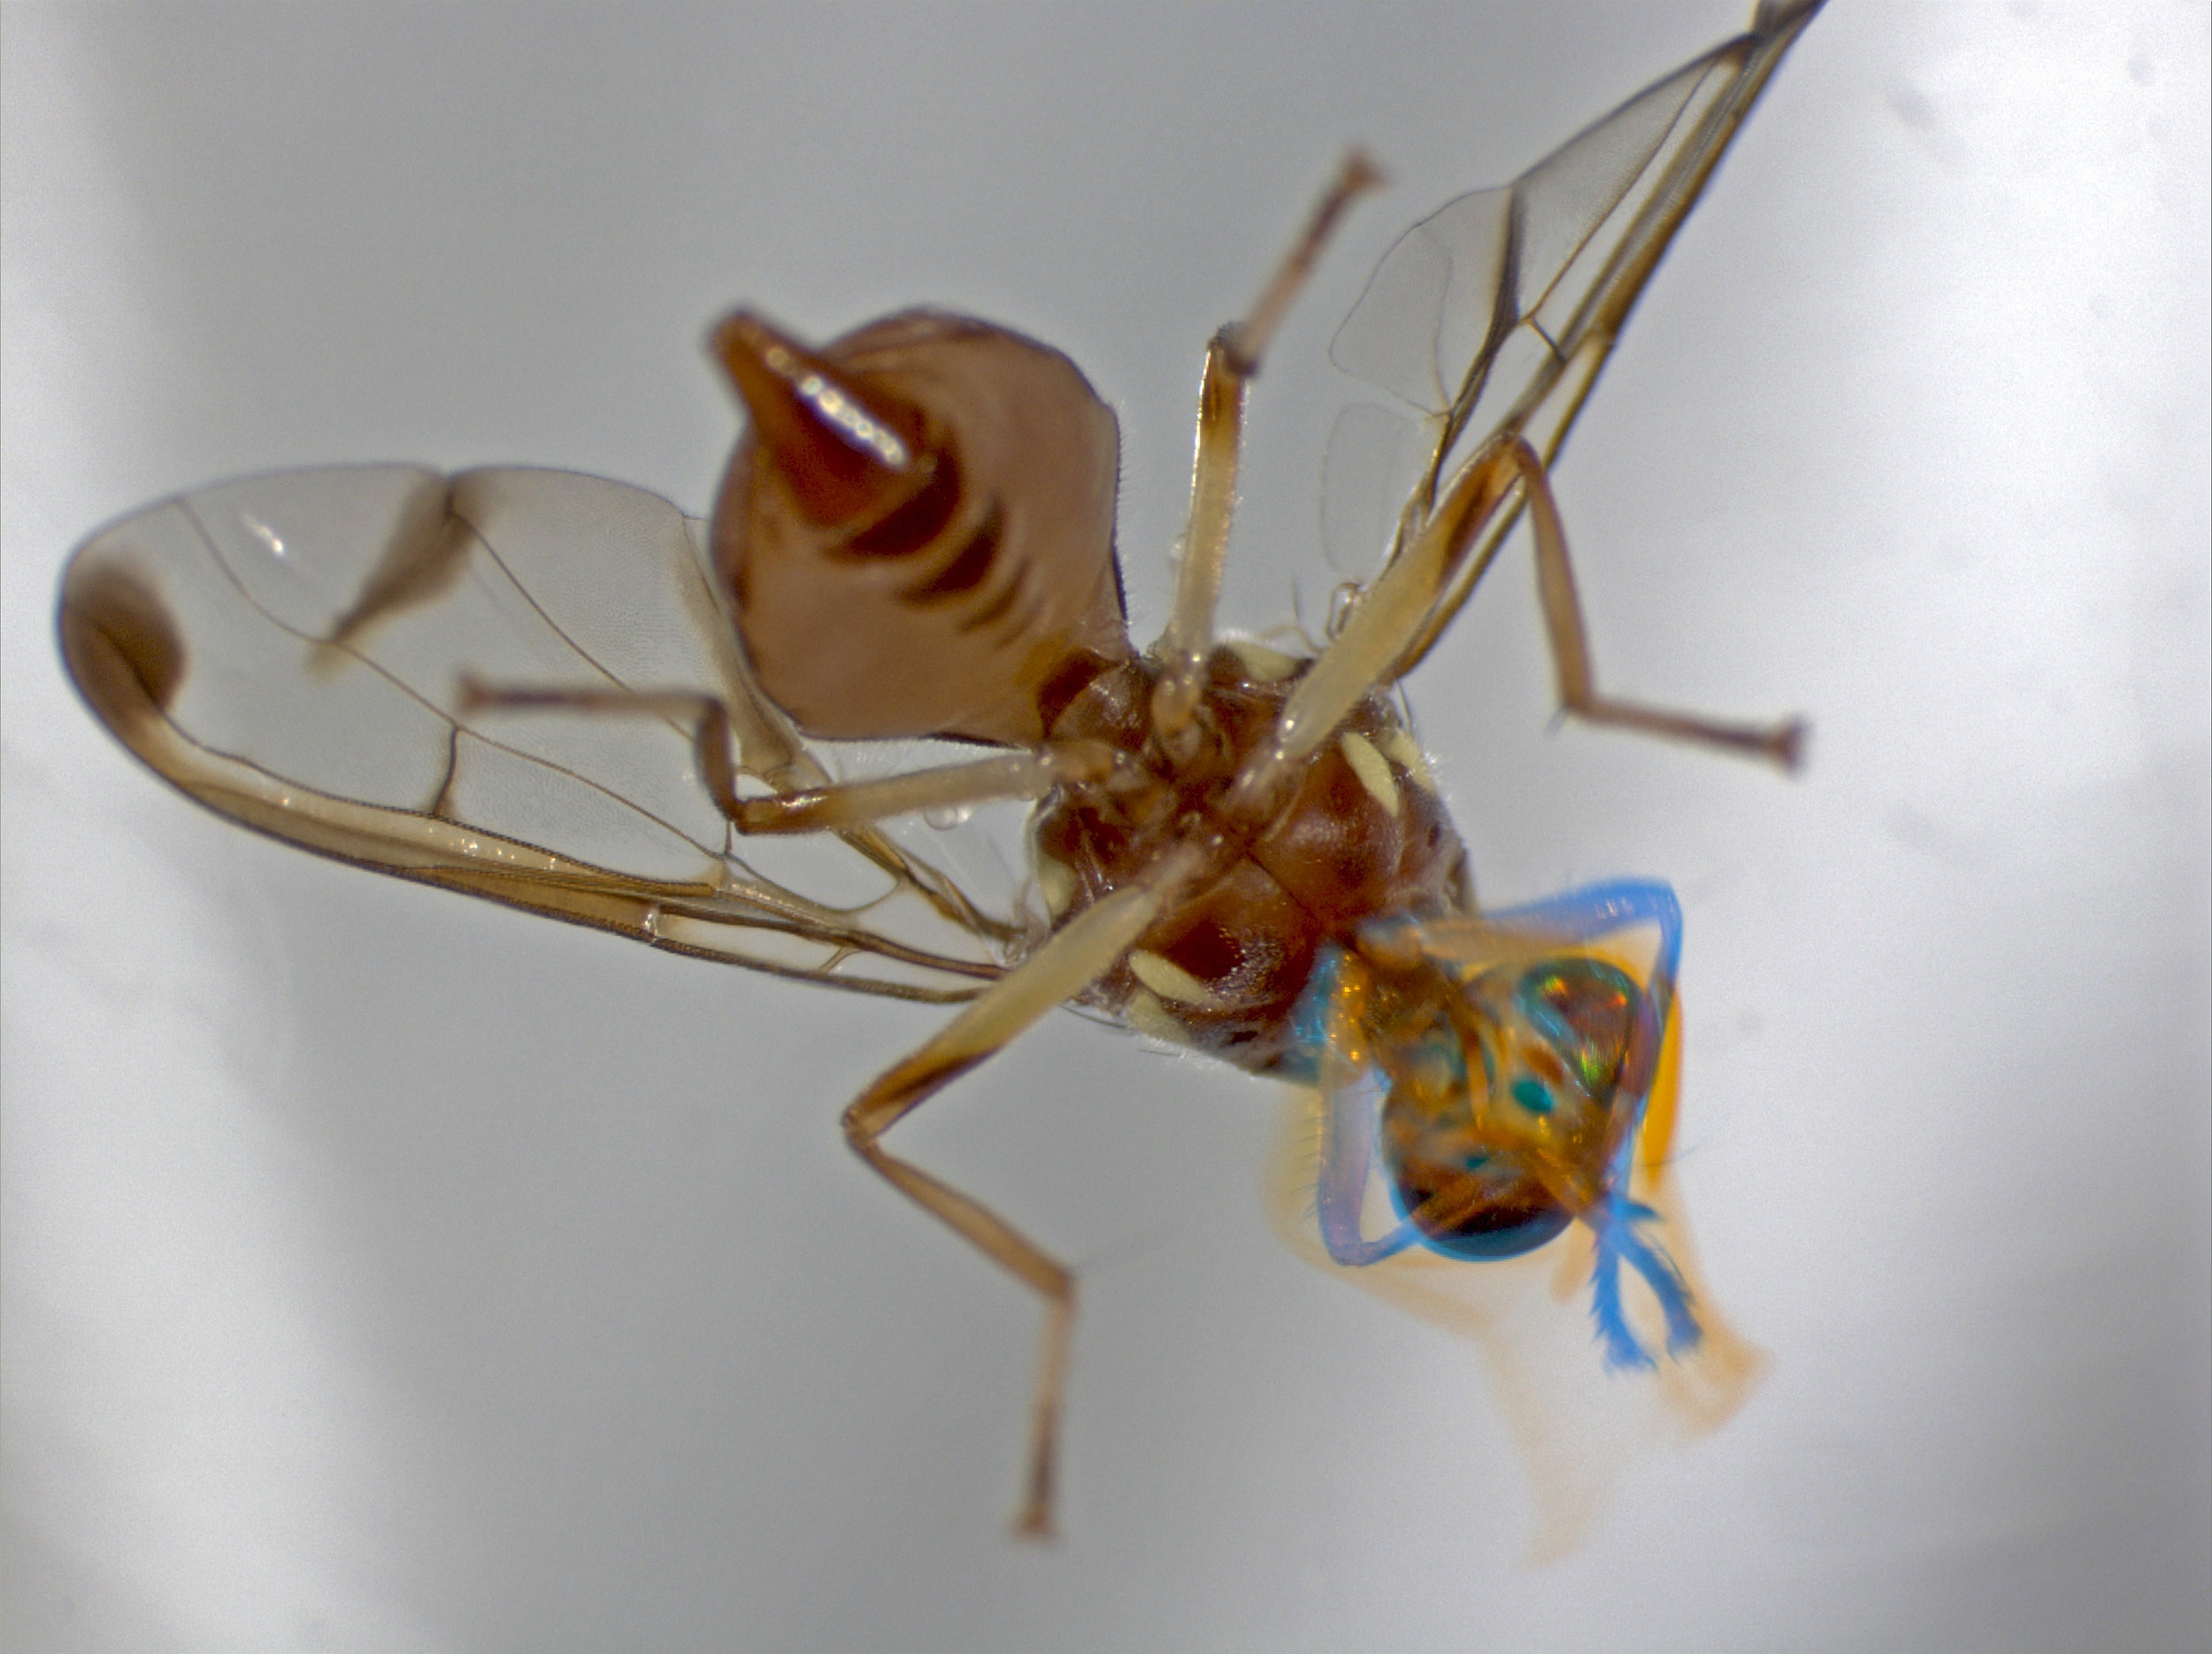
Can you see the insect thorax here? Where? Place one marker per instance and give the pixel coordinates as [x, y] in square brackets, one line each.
[1364, 834]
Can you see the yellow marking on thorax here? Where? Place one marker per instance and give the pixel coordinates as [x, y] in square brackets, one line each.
[1147, 1016]
[1056, 882]
[1401, 745]
[1372, 769]
[1169, 979]
[1262, 664]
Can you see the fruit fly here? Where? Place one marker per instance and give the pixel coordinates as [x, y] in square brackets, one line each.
[561, 694]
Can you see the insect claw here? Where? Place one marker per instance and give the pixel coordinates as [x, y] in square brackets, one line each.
[1785, 744]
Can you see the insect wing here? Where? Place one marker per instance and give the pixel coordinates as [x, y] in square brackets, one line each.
[292, 651]
[1493, 317]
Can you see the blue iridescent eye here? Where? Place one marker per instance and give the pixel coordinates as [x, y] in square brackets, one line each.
[1585, 1011]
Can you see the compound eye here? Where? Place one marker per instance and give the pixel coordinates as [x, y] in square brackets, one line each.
[1586, 1011]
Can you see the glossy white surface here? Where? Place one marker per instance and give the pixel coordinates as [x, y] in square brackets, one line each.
[384, 1271]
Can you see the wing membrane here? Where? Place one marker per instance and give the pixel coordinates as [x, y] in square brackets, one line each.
[1493, 317]
[289, 650]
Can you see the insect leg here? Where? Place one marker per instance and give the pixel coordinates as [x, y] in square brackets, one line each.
[1779, 744]
[1063, 966]
[987, 780]
[1399, 615]
[1233, 359]
[834, 805]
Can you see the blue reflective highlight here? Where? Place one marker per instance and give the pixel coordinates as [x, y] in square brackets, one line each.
[1490, 1245]
[1599, 910]
[1344, 1167]
[1620, 1240]
[1355, 1087]
[1301, 1064]
[1529, 1092]
[1354, 1094]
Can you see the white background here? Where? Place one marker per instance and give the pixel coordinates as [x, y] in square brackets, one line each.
[385, 1271]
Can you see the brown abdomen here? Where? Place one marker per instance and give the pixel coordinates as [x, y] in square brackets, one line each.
[943, 580]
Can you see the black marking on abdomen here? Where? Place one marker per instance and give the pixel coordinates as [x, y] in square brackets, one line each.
[994, 610]
[970, 564]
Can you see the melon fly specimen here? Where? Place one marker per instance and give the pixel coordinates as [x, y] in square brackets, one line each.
[560, 693]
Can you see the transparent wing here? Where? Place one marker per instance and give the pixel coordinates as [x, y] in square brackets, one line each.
[1493, 317]
[289, 650]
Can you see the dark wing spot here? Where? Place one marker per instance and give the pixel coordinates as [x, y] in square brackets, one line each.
[121, 646]
[426, 555]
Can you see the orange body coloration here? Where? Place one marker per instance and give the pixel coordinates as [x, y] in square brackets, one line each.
[562, 694]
